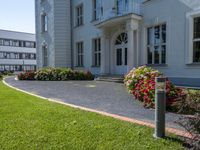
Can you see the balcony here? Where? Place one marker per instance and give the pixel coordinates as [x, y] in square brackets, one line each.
[124, 9]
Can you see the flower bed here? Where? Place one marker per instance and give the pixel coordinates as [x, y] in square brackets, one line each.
[141, 83]
[29, 75]
[56, 74]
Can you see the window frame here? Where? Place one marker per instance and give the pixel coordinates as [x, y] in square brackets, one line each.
[44, 23]
[79, 15]
[80, 54]
[151, 46]
[189, 37]
[194, 40]
[97, 10]
[45, 58]
[96, 47]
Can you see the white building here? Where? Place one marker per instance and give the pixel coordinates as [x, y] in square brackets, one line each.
[110, 37]
[17, 51]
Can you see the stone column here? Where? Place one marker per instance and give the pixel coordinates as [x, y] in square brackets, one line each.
[131, 27]
[105, 53]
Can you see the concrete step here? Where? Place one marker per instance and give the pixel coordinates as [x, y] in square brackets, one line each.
[116, 79]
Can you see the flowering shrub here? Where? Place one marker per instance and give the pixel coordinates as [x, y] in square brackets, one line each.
[56, 74]
[29, 75]
[141, 83]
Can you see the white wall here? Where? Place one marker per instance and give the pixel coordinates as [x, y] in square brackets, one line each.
[173, 12]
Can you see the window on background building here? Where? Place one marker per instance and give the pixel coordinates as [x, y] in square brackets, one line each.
[97, 9]
[44, 23]
[1, 41]
[45, 56]
[156, 44]
[1, 67]
[27, 44]
[79, 13]
[1, 55]
[21, 44]
[11, 43]
[80, 55]
[16, 55]
[16, 43]
[7, 67]
[97, 52]
[32, 45]
[196, 40]
[12, 56]
[6, 42]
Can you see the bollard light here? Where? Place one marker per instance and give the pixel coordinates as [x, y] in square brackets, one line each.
[160, 107]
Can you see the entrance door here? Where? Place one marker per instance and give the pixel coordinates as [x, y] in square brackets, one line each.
[121, 61]
[121, 54]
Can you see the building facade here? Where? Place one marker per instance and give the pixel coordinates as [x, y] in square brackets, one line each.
[110, 37]
[17, 51]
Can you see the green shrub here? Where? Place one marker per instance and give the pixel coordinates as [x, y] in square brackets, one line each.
[189, 105]
[7, 73]
[1, 76]
[58, 74]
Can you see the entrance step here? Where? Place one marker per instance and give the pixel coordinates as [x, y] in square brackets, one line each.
[116, 79]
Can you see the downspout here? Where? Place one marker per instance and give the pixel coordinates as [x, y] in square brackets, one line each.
[72, 37]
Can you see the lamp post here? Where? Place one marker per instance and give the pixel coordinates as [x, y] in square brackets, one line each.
[160, 107]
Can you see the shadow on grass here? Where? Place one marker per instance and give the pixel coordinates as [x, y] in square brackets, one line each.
[179, 140]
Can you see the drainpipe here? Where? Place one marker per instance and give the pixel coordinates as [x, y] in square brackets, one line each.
[72, 37]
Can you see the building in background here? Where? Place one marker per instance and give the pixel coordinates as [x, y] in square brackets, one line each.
[17, 51]
[110, 37]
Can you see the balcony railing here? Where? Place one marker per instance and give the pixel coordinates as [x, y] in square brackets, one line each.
[123, 7]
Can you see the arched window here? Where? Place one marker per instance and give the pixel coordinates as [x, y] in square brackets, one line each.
[122, 39]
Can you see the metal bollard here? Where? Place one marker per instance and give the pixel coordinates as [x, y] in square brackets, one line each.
[160, 107]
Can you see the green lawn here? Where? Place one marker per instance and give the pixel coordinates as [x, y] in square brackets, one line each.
[27, 122]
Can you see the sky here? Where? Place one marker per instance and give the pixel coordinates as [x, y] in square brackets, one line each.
[17, 15]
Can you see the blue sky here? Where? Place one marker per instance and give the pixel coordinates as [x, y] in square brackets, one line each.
[17, 15]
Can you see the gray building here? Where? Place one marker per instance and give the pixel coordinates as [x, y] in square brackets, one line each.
[110, 37]
[17, 51]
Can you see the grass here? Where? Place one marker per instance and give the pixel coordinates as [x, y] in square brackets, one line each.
[27, 122]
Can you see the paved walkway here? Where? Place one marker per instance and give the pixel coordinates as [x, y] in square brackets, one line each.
[102, 96]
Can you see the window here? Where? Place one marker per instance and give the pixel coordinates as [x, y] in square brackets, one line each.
[15, 43]
[97, 52]
[126, 57]
[1, 55]
[97, 9]
[1, 41]
[6, 43]
[196, 40]
[44, 22]
[45, 56]
[119, 57]
[27, 44]
[122, 6]
[156, 44]
[79, 13]
[80, 61]
[122, 39]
